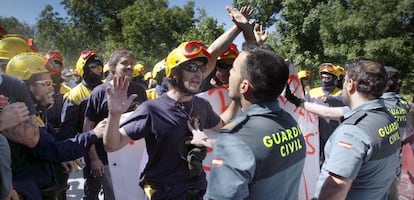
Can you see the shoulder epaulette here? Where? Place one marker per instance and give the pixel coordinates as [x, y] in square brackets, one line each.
[355, 118]
[234, 125]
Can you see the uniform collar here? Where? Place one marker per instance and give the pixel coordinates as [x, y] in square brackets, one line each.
[263, 108]
[388, 95]
[369, 105]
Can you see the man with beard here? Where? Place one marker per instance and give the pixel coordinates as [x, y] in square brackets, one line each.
[121, 64]
[36, 165]
[328, 94]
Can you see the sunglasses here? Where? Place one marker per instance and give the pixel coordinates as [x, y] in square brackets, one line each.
[224, 66]
[192, 67]
[194, 49]
[45, 83]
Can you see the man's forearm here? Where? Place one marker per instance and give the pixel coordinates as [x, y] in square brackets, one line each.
[112, 136]
[26, 133]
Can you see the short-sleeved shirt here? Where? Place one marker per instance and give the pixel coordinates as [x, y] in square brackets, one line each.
[97, 109]
[259, 155]
[163, 124]
[364, 148]
[5, 168]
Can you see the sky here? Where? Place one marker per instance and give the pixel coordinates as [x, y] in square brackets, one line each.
[28, 10]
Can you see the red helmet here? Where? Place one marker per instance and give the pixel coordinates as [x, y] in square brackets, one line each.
[55, 59]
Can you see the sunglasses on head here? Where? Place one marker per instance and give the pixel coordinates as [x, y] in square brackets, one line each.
[224, 66]
[194, 49]
[192, 67]
[45, 83]
[86, 54]
[327, 67]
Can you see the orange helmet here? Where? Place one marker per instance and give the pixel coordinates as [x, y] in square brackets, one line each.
[184, 52]
[231, 53]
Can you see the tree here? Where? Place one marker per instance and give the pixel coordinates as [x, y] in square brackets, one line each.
[151, 29]
[310, 32]
[13, 26]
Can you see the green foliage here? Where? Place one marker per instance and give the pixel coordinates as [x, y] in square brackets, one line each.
[13, 26]
[265, 10]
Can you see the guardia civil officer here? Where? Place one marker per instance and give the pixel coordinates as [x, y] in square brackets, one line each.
[251, 155]
[362, 153]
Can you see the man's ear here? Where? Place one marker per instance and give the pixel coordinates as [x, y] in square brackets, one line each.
[245, 86]
[351, 86]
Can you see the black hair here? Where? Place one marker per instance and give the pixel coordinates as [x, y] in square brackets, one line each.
[265, 70]
[369, 75]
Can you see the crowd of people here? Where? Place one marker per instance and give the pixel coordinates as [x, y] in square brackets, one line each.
[51, 117]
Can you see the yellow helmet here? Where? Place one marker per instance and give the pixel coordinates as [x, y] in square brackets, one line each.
[137, 69]
[147, 76]
[340, 71]
[184, 52]
[304, 74]
[24, 65]
[12, 44]
[157, 68]
[105, 68]
[85, 55]
[231, 53]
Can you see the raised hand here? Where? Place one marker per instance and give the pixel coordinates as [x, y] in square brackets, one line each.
[118, 101]
[260, 33]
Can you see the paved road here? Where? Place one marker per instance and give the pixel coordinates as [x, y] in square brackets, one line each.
[76, 181]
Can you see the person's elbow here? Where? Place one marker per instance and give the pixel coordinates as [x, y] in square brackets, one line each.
[111, 147]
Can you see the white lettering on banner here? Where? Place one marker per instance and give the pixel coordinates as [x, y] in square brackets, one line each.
[127, 163]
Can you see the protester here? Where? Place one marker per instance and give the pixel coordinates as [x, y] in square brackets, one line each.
[304, 76]
[340, 73]
[362, 155]
[10, 116]
[120, 64]
[163, 124]
[161, 82]
[220, 76]
[138, 75]
[328, 94]
[90, 68]
[36, 155]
